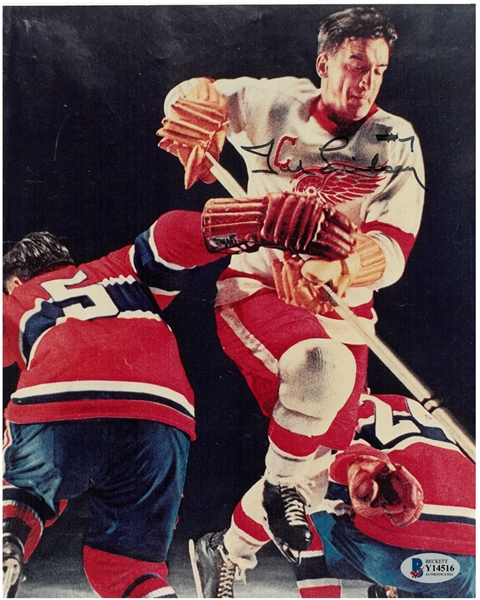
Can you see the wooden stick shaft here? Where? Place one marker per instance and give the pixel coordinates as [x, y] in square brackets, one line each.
[226, 179]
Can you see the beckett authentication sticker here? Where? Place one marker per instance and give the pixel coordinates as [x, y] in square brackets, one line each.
[430, 568]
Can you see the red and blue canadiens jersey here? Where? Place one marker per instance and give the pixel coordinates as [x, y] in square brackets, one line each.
[90, 340]
[412, 437]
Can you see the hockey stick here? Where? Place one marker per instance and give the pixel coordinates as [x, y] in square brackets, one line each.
[404, 375]
[379, 348]
[226, 179]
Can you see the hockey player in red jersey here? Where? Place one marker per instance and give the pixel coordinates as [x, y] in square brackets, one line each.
[400, 494]
[334, 143]
[400, 502]
[103, 405]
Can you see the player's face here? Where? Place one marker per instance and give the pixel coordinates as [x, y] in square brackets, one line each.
[352, 76]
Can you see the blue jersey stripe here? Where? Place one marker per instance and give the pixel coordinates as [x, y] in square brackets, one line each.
[99, 395]
[447, 519]
[155, 274]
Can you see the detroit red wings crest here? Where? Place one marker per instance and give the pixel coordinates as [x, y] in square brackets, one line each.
[338, 182]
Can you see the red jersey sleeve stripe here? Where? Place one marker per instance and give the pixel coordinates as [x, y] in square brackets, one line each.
[404, 240]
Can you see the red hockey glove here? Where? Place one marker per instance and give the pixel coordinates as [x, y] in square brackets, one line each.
[377, 486]
[288, 221]
[306, 224]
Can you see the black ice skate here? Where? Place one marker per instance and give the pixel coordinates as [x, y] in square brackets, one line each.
[213, 574]
[287, 520]
[12, 566]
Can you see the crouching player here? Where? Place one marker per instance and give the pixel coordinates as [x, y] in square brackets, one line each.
[103, 405]
[402, 489]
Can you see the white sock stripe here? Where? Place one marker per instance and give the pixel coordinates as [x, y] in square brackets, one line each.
[312, 553]
[7, 437]
[139, 314]
[160, 292]
[323, 582]
[161, 593]
[245, 537]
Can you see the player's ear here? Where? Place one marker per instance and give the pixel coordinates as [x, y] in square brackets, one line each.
[12, 283]
[322, 65]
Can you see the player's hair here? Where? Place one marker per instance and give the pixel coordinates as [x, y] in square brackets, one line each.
[358, 22]
[36, 253]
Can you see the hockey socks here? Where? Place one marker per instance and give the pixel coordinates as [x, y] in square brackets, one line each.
[313, 578]
[115, 576]
[24, 517]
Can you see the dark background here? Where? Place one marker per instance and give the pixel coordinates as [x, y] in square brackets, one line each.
[83, 95]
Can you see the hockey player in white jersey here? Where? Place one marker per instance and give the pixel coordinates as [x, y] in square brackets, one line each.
[302, 362]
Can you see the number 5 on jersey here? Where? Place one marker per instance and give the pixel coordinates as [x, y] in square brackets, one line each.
[85, 303]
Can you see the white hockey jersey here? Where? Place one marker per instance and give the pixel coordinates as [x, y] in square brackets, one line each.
[372, 171]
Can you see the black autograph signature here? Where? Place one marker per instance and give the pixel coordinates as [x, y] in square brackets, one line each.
[333, 145]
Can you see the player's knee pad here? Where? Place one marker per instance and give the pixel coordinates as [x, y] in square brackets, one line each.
[317, 377]
[115, 576]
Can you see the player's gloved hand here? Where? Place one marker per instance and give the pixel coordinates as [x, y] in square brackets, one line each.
[196, 124]
[294, 288]
[284, 220]
[300, 282]
[377, 486]
[306, 224]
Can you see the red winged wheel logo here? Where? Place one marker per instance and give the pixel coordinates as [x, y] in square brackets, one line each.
[338, 182]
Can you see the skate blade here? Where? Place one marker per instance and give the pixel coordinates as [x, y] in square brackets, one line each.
[292, 556]
[194, 562]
